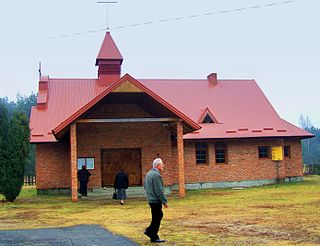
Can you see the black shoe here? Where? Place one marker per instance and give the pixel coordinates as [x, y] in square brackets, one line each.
[158, 241]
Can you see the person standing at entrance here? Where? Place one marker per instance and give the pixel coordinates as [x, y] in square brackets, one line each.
[83, 177]
[121, 183]
[154, 188]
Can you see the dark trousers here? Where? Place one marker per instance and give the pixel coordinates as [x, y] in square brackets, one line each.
[83, 188]
[157, 214]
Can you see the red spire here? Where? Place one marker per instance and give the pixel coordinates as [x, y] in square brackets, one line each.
[109, 60]
[109, 50]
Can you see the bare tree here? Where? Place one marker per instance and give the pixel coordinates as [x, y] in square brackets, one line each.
[304, 122]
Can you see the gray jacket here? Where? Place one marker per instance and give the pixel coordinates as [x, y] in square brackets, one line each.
[153, 185]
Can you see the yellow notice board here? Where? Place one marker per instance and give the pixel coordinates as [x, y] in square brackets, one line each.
[277, 154]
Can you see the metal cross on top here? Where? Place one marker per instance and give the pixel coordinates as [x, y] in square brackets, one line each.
[107, 4]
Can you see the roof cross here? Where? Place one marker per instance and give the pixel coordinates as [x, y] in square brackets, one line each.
[107, 4]
[39, 70]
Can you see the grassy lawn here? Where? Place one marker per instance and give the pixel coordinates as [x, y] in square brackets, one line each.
[284, 214]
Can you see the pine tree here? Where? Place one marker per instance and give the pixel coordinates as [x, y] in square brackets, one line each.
[4, 122]
[18, 150]
[23, 104]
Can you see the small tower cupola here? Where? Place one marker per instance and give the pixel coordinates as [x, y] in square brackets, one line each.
[109, 59]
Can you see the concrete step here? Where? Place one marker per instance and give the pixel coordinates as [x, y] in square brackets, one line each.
[137, 191]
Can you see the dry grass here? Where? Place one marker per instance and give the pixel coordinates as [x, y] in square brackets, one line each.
[285, 214]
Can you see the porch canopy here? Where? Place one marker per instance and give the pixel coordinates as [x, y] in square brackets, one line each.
[127, 90]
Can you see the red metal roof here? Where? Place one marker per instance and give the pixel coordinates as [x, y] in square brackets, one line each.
[109, 50]
[109, 89]
[240, 106]
[65, 96]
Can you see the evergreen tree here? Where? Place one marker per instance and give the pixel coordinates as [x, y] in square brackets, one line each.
[4, 122]
[18, 150]
[23, 104]
[30, 169]
[9, 105]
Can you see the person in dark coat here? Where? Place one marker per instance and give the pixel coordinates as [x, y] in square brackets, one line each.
[121, 183]
[83, 177]
[154, 188]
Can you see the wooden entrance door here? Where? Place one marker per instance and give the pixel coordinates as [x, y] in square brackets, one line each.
[127, 159]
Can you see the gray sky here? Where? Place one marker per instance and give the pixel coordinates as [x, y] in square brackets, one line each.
[277, 46]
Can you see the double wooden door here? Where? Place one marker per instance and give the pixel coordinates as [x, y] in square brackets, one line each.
[115, 159]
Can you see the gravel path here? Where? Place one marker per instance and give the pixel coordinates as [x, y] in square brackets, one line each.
[75, 235]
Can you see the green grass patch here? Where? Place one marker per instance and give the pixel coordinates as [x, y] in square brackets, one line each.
[283, 214]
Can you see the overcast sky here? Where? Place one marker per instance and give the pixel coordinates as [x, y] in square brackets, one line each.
[277, 46]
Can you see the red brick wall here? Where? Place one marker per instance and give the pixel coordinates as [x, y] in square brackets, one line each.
[118, 111]
[243, 162]
[53, 160]
[294, 165]
[53, 165]
[152, 138]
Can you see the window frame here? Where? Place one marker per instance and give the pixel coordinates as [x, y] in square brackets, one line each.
[288, 147]
[202, 148]
[218, 146]
[85, 163]
[207, 116]
[268, 156]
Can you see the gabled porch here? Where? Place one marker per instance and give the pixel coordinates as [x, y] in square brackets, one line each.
[127, 128]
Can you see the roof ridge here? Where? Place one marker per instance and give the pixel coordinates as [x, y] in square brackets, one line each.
[184, 80]
[72, 78]
[169, 79]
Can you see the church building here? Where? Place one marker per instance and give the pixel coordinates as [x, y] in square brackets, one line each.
[209, 132]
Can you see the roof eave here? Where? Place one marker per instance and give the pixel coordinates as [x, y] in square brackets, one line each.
[247, 137]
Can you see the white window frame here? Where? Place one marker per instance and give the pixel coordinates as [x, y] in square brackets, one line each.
[88, 161]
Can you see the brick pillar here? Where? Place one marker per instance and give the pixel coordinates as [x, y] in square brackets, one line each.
[73, 162]
[180, 151]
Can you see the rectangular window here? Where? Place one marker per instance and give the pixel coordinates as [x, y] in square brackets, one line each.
[287, 151]
[264, 151]
[201, 153]
[87, 161]
[221, 152]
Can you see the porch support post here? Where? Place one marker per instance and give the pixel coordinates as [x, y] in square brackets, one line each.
[73, 162]
[180, 154]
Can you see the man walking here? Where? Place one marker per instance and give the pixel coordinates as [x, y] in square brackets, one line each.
[153, 185]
